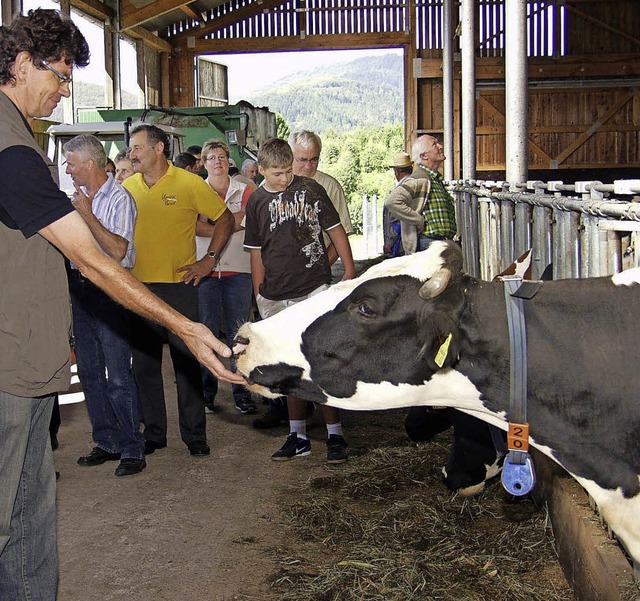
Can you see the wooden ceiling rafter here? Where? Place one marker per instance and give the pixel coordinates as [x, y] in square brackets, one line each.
[132, 17]
[230, 18]
[150, 39]
[309, 42]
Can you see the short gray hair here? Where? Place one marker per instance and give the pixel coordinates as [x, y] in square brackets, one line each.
[248, 163]
[88, 147]
[305, 138]
[418, 147]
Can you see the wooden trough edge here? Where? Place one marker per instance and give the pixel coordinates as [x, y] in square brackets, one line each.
[595, 566]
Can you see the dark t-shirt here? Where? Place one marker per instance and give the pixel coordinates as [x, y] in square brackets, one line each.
[287, 228]
[29, 198]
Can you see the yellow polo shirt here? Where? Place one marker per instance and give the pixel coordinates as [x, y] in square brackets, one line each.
[165, 234]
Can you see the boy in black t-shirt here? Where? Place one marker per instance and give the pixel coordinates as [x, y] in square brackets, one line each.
[284, 222]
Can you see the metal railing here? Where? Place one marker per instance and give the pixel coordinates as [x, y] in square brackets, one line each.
[585, 229]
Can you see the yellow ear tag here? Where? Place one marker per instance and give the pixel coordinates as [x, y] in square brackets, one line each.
[441, 355]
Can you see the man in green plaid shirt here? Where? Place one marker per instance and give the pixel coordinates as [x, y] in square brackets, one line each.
[421, 203]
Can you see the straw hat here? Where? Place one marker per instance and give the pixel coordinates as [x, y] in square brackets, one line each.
[401, 160]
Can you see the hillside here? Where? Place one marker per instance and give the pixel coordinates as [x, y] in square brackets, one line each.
[91, 95]
[365, 92]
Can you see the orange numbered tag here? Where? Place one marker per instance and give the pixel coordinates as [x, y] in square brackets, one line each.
[518, 437]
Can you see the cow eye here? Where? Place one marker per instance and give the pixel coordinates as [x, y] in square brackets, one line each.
[366, 310]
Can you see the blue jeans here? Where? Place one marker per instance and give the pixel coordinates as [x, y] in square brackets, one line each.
[224, 300]
[423, 242]
[101, 331]
[28, 549]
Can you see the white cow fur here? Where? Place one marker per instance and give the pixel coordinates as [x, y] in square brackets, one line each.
[446, 388]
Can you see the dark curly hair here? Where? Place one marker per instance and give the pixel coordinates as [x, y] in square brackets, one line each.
[47, 36]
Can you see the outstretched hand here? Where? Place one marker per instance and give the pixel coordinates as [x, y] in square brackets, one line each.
[204, 346]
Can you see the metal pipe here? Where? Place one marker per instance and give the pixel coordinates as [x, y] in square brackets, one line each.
[468, 90]
[447, 87]
[516, 106]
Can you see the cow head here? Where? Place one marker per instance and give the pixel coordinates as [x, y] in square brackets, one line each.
[393, 327]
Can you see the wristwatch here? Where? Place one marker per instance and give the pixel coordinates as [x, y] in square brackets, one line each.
[213, 254]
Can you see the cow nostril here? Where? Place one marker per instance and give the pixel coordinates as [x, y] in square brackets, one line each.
[239, 345]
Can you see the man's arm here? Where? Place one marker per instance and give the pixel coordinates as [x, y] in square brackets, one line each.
[71, 235]
[398, 204]
[341, 242]
[113, 244]
[222, 231]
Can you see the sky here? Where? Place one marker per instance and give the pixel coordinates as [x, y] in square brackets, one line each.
[247, 72]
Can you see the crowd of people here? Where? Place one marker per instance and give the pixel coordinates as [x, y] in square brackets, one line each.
[158, 252]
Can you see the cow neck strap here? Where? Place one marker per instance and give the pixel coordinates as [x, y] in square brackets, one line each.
[518, 473]
[516, 292]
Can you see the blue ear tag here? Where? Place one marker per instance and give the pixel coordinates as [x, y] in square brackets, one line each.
[518, 479]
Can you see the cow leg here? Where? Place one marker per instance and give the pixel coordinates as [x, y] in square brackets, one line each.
[474, 459]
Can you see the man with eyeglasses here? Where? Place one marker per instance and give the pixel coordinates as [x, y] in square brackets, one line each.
[306, 147]
[37, 221]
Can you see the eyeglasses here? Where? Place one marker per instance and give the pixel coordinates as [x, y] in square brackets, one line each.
[62, 79]
[220, 158]
[302, 160]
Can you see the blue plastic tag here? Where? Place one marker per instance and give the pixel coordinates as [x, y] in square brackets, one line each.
[518, 478]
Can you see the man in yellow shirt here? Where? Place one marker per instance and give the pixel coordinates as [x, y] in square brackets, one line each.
[169, 201]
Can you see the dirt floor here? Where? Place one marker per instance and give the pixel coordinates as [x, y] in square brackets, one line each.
[220, 528]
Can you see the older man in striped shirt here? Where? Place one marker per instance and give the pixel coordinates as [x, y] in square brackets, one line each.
[421, 202]
[101, 326]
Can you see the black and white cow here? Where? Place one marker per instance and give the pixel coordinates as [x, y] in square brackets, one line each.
[371, 344]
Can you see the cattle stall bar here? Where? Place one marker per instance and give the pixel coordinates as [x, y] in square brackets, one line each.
[584, 229]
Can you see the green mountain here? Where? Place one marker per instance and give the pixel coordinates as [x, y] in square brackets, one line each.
[365, 92]
[91, 95]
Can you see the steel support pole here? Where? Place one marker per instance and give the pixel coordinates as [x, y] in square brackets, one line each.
[468, 90]
[516, 114]
[447, 88]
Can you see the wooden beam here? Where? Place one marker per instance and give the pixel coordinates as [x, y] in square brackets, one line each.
[150, 39]
[94, 8]
[191, 13]
[150, 11]
[230, 18]
[583, 66]
[311, 42]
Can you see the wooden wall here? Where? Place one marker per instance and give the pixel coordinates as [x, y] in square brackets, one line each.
[584, 93]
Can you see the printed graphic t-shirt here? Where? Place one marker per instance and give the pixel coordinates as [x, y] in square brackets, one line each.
[287, 228]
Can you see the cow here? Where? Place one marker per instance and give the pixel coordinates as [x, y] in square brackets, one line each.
[371, 343]
[477, 452]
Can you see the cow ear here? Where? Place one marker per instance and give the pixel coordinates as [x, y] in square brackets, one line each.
[439, 334]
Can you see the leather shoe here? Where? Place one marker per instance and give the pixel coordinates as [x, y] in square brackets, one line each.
[97, 457]
[130, 466]
[151, 446]
[199, 448]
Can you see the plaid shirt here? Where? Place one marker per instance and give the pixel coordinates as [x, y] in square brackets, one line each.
[439, 212]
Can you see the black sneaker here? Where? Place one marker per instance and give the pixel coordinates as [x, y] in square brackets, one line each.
[272, 419]
[246, 406]
[337, 449]
[293, 447]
